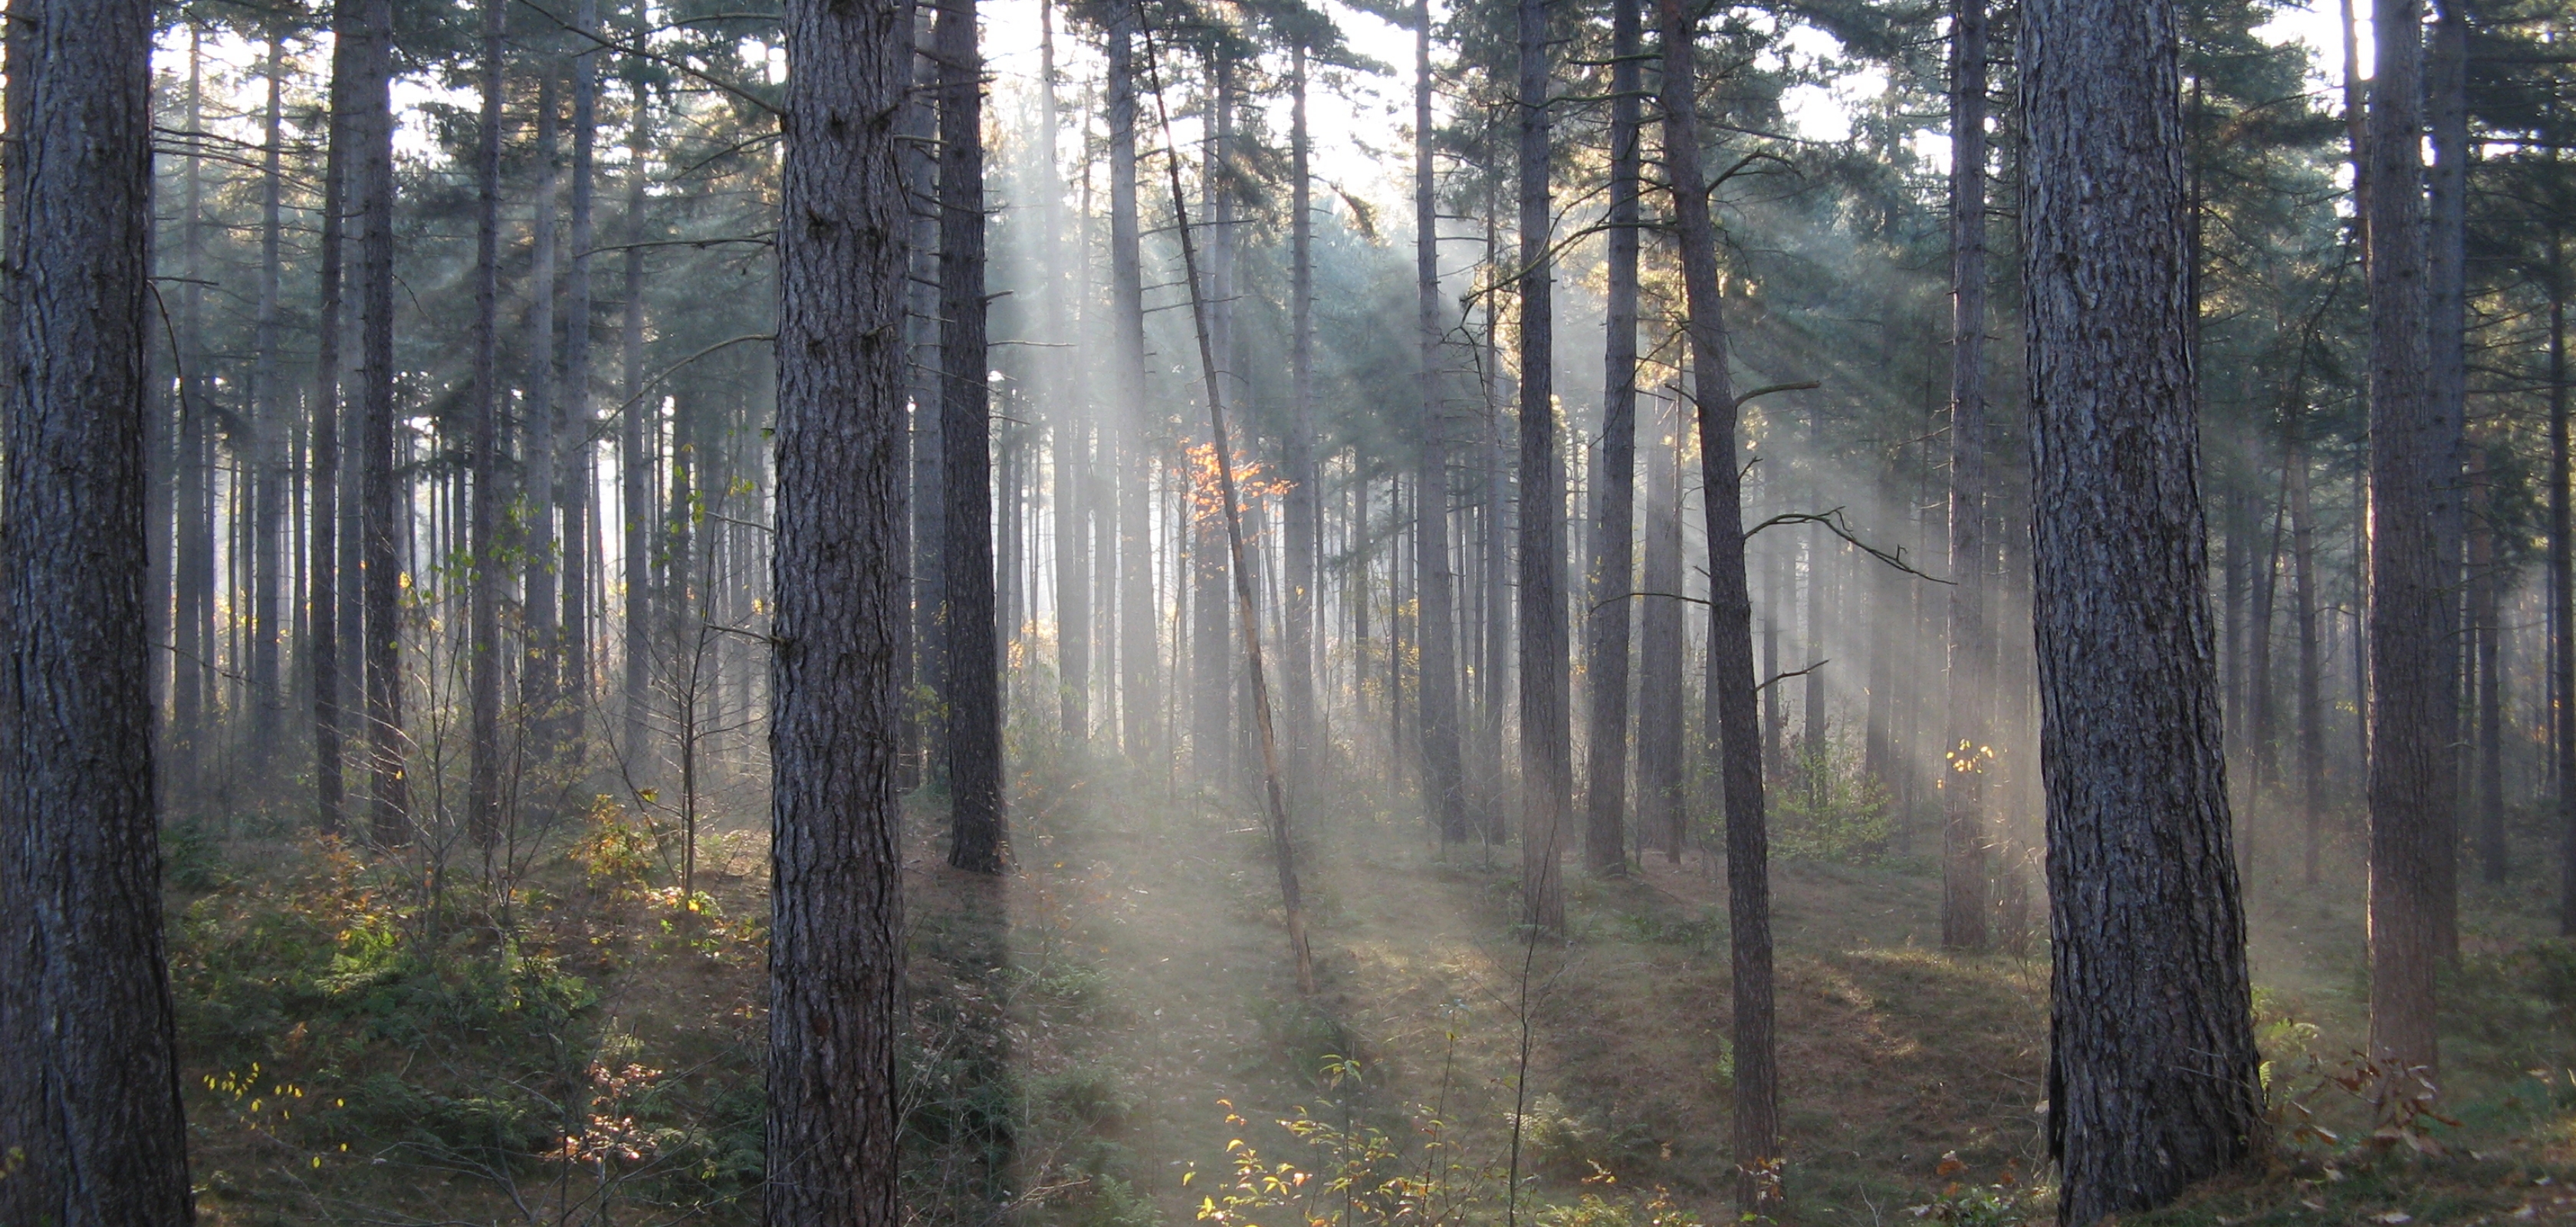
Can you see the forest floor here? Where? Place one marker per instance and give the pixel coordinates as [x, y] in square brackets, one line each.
[1113, 1037]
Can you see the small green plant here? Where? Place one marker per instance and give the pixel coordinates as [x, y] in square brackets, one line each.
[1829, 808]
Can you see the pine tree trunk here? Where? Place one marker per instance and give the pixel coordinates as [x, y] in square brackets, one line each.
[1662, 811]
[322, 565]
[1607, 618]
[2486, 580]
[1136, 605]
[1730, 674]
[1302, 513]
[89, 1087]
[1070, 435]
[2446, 290]
[927, 642]
[2413, 704]
[2312, 745]
[2152, 1075]
[193, 700]
[1546, 749]
[271, 475]
[389, 815]
[541, 664]
[483, 775]
[977, 838]
[836, 900]
[1967, 731]
[578, 477]
[1443, 774]
[639, 433]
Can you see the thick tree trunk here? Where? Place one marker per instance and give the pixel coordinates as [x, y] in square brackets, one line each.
[1737, 745]
[389, 814]
[2152, 1074]
[2413, 703]
[89, 1086]
[1547, 765]
[836, 901]
[1607, 618]
[977, 839]
[2562, 587]
[483, 773]
[1965, 746]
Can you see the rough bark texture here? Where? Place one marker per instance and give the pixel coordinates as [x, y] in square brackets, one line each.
[1735, 737]
[89, 1092]
[2152, 1075]
[974, 669]
[1547, 755]
[1609, 612]
[836, 926]
[2412, 707]
[1964, 894]
[1443, 776]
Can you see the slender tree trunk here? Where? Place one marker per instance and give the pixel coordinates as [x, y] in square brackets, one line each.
[927, 642]
[2562, 586]
[578, 477]
[1730, 673]
[483, 786]
[1136, 650]
[1661, 798]
[2446, 280]
[1966, 749]
[836, 896]
[271, 475]
[1302, 512]
[1607, 619]
[193, 575]
[2312, 745]
[89, 1087]
[322, 565]
[2262, 713]
[639, 430]
[379, 496]
[2413, 704]
[2152, 1074]
[1070, 434]
[1546, 743]
[541, 665]
[2486, 607]
[1443, 775]
[977, 836]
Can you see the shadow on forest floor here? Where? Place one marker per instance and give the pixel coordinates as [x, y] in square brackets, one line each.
[1111, 1037]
